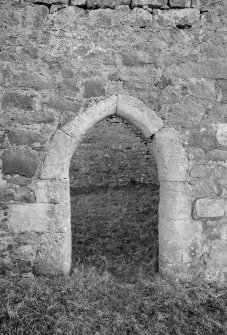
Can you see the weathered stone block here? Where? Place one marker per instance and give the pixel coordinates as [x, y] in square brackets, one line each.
[12, 99]
[176, 240]
[63, 104]
[68, 87]
[177, 17]
[150, 3]
[203, 138]
[54, 255]
[57, 161]
[25, 253]
[93, 114]
[202, 88]
[217, 155]
[50, 2]
[175, 201]
[140, 18]
[39, 217]
[34, 136]
[204, 189]
[180, 3]
[47, 116]
[201, 171]
[106, 3]
[34, 80]
[210, 207]
[222, 133]
[52, 191]
[94, 88]
[170, 156]
[20, 161]
[223, 87]
[212, 69]
[16, 194]
[78, 2]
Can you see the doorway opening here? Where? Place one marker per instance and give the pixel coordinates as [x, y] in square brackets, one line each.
[176, 229]
[114, 191]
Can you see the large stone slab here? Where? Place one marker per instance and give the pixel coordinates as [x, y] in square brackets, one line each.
[213, 69]
[202, 88]
[20, 101]
[177, 17]
[170, 156]
[39, 218]
[20, 161]
[54, 256]
[179, 245]
[52, 191]
[58, 156]
[175, 201]
[207, 207]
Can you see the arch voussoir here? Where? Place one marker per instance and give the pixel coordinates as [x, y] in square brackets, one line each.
[138, 114]
[86, 119]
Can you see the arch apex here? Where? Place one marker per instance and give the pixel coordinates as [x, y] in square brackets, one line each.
[137, 113]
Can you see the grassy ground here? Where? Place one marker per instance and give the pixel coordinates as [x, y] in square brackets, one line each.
[117, 230]
[88, 303]
[114, 287]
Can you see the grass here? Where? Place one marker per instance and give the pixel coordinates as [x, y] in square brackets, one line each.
[89, 303]
[114, 287]
[117, 230]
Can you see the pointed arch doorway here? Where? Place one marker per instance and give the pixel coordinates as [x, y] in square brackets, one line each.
[52, 187]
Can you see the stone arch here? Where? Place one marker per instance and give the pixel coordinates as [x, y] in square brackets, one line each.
[52, 185]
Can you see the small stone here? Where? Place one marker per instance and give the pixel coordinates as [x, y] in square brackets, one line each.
[78, 2]
[3, 246]
[106, 3]
[28, 276]
[24, 265]
[50, 2]
[150, 3]
[223, 87]
[210, 207]
[217, 155]
[24, 194]
[201, 171]
[180, 3]
[4, 226]
[222, 133]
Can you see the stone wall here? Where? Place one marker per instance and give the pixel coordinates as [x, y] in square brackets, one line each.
[60, 58]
